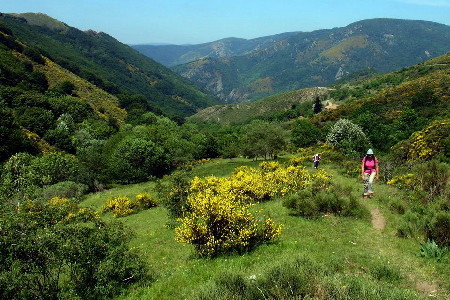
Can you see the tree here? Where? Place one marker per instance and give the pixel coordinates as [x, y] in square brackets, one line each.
[262, 139]
[317, 106]
[304, 133]
[135, 160]
[349, 137]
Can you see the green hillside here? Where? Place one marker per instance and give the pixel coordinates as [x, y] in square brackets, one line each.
[109, 64]
[319, 58]
[289, 104]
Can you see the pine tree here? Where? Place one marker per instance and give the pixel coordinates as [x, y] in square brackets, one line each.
[317, 106]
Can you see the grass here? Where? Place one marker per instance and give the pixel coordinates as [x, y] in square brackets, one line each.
[359, 250]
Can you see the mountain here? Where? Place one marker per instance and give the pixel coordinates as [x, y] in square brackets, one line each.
[172, 55]
[319, 58]
[109, 64]
[411, 105]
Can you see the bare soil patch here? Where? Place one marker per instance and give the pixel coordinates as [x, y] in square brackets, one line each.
[378, 220]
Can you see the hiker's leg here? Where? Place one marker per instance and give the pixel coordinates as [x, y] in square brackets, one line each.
[370, 182]
[366, 184]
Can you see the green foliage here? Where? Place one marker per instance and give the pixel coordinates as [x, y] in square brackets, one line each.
[65, 189]
[175, 192]
[304, 133]
[262, 139]
[412, 225]
[438, 229]
[431, 250]
[34, 55]
[348, 137]
[325, 198]
[24, 174]
[37, 119]
[54, 250]
[135, 160]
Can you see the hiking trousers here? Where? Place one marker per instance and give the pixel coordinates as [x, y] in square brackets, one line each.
[368, 183]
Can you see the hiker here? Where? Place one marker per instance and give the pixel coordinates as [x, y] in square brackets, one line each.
[369, 172]
[316, 159]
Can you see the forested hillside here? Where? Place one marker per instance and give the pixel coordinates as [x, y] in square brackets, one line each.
[319, 58]
[109, 64]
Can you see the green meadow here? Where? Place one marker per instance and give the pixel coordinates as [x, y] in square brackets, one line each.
[360, 256]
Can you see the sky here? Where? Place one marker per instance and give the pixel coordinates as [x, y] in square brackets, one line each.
[201, 21]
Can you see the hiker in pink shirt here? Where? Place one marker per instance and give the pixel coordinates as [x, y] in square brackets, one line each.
[369, 172]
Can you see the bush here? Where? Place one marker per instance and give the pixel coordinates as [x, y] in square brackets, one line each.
[217, 224]
[64, 189]
[122, 206]
[136, 160]
[313, 202]
[412, 225]
[397, 206]
[56, 250]
[174, 194]
[304, 133]
[349, 137]
[438, 229]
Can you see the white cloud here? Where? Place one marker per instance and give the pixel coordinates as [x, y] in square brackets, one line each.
[439, 3]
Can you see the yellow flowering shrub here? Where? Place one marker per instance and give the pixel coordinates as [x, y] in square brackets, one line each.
[219, 220]
[122, 206]
[218, 223]
[119, 206]
[403, 181]
[144, 200]
[425, 144]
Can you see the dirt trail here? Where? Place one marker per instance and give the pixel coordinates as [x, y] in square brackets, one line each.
[378, 220]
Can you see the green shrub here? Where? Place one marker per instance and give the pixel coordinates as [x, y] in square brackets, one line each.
[64, 189]
[302, 204]
[349, 137]
[336, 199]
[57, 250]
[438, 229]
[397, 206]
[175, 192]
[412, 225]
[432, 177]
[431, 250]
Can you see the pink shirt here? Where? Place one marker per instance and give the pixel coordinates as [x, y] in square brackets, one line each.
[369, 165]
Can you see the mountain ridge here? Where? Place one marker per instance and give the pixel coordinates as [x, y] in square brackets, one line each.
[319, 58]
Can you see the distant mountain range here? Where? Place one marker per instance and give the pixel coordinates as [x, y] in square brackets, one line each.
[172, 55]
[238, 70]
[110, 65]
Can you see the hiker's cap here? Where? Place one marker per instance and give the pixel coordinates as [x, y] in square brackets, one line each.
[370, 151]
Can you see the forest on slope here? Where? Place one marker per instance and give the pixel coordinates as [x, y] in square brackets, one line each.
[109, 64]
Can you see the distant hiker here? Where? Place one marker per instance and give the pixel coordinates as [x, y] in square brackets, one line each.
[369, 171]
[316, 159]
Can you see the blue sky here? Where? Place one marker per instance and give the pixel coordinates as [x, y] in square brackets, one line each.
[198, 21]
